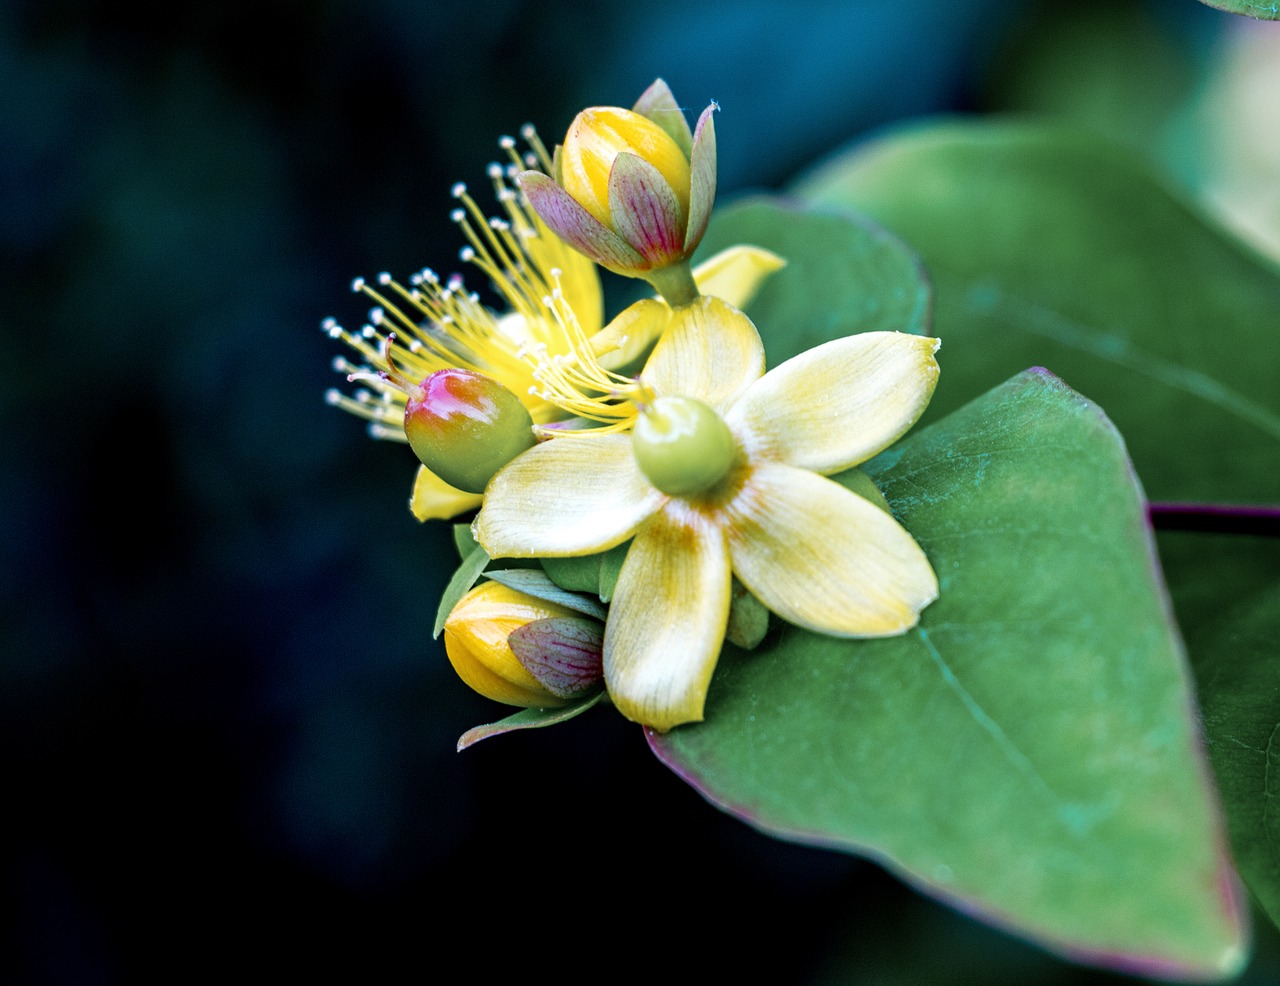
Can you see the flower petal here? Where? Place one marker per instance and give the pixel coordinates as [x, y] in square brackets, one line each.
[735, 275]
[710, 351]
[702, 178]
[568, 496]
[644, 209]
[826, 559]
[667, 619]
[576, 226]
[839, 403]
[434, 499]
[659, 104]
[579, 280]
[631, 334]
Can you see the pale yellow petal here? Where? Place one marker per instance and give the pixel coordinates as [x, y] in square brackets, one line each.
[710, 351]
[434, 499]
[568, 496]
[667, 619]
[579, 277]
[631, 333]
[735, 274]
[840, 403]
[824, 558]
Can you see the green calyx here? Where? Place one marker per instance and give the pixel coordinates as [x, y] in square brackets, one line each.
[682, 446]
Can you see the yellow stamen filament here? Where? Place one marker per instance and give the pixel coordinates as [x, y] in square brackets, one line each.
[576, 383]
[416, 330]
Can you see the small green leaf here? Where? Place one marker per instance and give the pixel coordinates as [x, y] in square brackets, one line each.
[526, 719]
[843, 274]
[461, 582]
[1029, 752]
[596, 574]
[464, 540]
[748, 619]
[533, 582]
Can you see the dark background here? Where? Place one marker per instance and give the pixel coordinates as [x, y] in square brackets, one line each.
[228, 737]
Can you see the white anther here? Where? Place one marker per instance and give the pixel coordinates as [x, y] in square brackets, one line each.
[466, 255]
[357, 284]
[333, 396]
[528, 132]
[494, 170]
[457, 215]
[458, 190]
[506, 143]
[384, 278]
[369, 332]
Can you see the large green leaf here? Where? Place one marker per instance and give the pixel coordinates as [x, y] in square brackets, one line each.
[1029, 752]
[843, 274]
[1053, 249]
[1227, 590]
[1262, 9]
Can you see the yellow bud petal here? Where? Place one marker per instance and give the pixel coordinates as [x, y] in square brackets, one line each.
[475, 638]
[597, 136]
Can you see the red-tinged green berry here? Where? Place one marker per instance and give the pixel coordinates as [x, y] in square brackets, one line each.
[465, 426]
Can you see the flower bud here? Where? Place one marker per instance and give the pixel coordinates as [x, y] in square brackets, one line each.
[559, 650]
[632, 189]
[465, 426]
[595, 139]
[682, 445]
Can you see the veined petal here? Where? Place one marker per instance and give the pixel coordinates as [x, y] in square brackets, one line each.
[659, 105]
[839, 403]
[735, 275]
[710, 351]
[576, 226]
[631, 333]
[644, 209]
[826, 559]
[569, 496]
[667, 619]
[434, 499]
[702, 178]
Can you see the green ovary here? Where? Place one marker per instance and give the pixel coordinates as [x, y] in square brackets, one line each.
[682, 445]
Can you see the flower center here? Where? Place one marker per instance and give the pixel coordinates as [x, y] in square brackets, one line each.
[682, 445]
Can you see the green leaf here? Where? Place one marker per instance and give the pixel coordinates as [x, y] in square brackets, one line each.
[843, 274]
[1228, 589]
[1267, 10]
[1049, 248]
[535, 583]
[459, 585]
[1029, 752]
[526, 719]
[464, 540]
[597, 574]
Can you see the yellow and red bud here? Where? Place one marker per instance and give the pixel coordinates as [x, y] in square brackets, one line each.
[465, 426]
[520, 650]
[632, 189]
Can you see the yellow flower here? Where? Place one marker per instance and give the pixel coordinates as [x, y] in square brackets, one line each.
[552, 295]
[816, 554]
[633, 189]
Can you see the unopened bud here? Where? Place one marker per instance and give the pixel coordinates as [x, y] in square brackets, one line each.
[521, 650]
